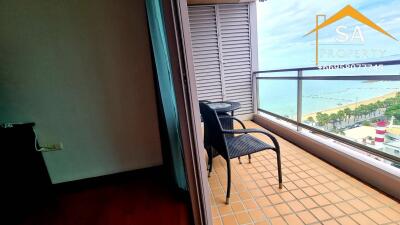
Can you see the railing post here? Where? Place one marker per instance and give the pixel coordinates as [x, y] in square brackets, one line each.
[299, 97]
[256, 93]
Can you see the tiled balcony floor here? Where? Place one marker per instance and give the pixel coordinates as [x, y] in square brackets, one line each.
[314, 192]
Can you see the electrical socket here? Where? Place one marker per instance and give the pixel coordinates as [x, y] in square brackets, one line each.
[52, 147]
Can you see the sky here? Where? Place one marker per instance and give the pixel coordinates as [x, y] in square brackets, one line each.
[282, 24]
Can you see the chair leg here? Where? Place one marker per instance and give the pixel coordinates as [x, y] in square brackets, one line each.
[210, 161]
[228, 191]
[240, 162]
[278, 158]
[249, 158]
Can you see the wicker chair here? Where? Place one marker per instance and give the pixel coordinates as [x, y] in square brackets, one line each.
[230, 146]
[226, 123]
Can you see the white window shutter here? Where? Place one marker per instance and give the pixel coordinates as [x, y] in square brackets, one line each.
[203, 29]
[222, 53]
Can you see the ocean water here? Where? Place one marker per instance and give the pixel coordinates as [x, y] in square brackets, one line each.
[280, 96]
[282, 44]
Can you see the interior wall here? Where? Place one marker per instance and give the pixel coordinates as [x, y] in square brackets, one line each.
[82, 71]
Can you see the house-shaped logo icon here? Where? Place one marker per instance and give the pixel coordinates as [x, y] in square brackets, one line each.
[346, 11]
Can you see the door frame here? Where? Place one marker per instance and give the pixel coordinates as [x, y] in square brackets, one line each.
[180, 50]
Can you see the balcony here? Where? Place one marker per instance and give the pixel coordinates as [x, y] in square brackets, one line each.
[314, 192]
[339, 129]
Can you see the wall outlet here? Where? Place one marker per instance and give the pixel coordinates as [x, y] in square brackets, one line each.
[51, 147]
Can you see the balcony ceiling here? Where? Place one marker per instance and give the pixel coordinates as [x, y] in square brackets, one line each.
[208, 2]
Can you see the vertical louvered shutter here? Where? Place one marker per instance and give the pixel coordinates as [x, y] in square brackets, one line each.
[222, 53]
[207, 68]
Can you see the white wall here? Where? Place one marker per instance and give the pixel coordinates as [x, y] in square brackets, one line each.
[81, 70]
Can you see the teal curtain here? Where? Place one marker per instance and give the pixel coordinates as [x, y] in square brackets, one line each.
[166, 88]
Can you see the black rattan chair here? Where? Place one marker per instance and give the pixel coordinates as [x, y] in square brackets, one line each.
[227, 124]
[230, 146]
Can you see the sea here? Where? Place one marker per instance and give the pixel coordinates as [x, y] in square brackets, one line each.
[280, 96]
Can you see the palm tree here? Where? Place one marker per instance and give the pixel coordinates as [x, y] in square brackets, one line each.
[333, 118]
[319, 119]
[341, 115]
[311, 120]
[359, 112]
[370, 108]
[393, 111]
[348, 113]
[363, 110]
[322, 119]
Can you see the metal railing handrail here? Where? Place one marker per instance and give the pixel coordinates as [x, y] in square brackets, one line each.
[300, 78]
[384, 63]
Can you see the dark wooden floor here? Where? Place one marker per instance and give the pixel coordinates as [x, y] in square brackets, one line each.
[141, 199]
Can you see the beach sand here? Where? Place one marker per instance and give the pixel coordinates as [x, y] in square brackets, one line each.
[352, 105]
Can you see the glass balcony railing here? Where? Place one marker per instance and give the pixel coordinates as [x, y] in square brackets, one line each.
[359, 110]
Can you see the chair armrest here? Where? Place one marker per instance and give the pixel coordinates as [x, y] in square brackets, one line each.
[246, 131]
[232, 118]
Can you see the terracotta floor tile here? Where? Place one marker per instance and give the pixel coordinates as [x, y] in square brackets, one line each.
[396, 207]
[346, 208]
[310, 191]
[263, 202]
[331, 222]
[243, 218]
[293, 220]
[299, 194]
[357, 203]
[262, 223]
[250, 204]
[268, 190]
[333, 211]
[214, 212]
[296, 206]
[270, 212]
[217, 221]
[308, 203]
[346, 221]
[262, 183]
[229, 220]
[385, 200]
[278, 221]
[256, 193]
[321, 188]
[224, 209]
[293, 177]
[290, 185]
[275, 199]
[245, 195]
[390, 213]
[307, 217]
[344, 195]
[332, 197]
[257, 215]
[362, 219]
[372, 202]
[320, 214]
[237, 207]
[287, 196]
[300, 183]
[377, 217]
[283, 209]
[356, 192]
[320, 200]
[332, 186]
[321, 179]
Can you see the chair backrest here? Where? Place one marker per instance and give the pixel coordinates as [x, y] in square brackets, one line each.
[213, 128]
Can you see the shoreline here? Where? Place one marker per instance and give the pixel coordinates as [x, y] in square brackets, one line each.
[351, 105]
